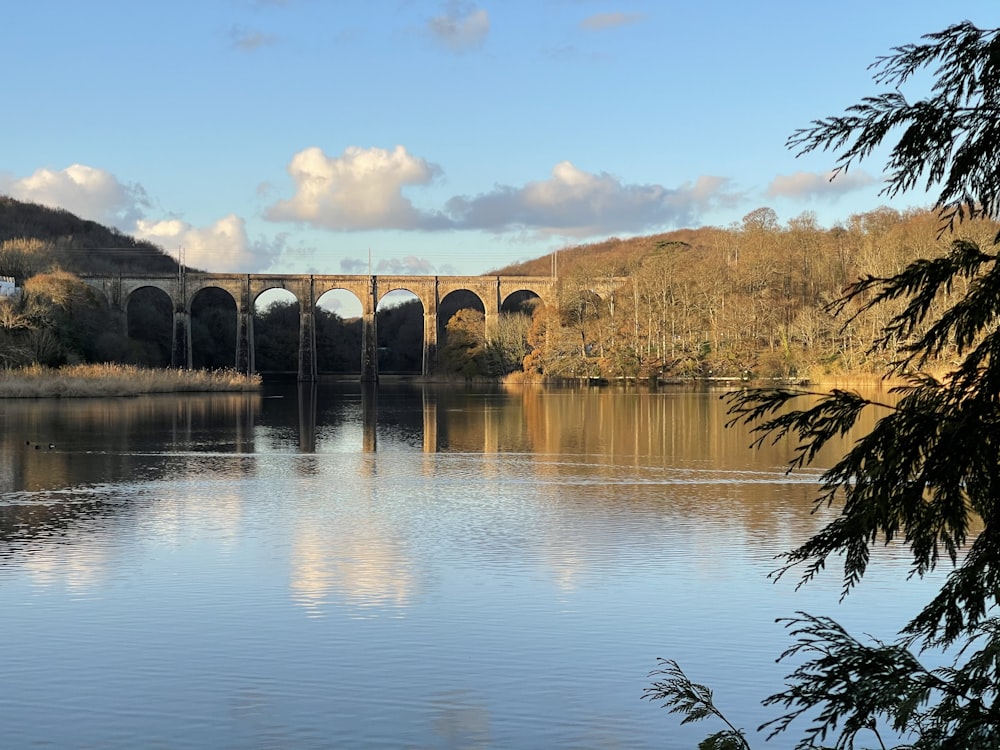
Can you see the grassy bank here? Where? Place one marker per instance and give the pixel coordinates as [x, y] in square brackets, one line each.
[82, 381]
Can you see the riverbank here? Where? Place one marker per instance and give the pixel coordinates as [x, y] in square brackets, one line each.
[106, 380]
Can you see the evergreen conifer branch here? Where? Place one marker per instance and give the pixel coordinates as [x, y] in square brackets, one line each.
[927, 475]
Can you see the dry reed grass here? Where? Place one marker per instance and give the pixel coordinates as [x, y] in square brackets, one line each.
[97, 380]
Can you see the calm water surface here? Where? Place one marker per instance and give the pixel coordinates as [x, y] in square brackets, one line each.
[403, 569]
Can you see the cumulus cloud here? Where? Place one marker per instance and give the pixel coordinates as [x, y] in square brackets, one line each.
[353, 265]
[411, 265]
[219, 248]
[817, 186]
[88, 192]
[360, 189]
[602, 21]
[461, 27]
[576, 203]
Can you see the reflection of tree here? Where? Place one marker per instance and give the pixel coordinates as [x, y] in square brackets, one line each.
[461, 722]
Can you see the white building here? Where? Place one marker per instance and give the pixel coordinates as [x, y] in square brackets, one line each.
[7, 288]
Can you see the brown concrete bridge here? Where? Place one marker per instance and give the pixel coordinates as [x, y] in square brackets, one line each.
[182, 288]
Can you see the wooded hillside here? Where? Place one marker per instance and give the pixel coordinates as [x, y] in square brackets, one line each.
[33, 237]
[750, 300]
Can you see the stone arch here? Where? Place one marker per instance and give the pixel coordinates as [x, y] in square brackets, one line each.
[262, 298]
[545, 289]
[149, 325]
[459, 299]
[214, 327]
[453, 303]
[400, 330]
[339, 324]
[463, 323]
[521, 301]
[276, 330]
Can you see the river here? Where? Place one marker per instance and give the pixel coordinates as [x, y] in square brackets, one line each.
[335, 567]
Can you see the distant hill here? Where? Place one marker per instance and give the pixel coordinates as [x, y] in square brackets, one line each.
[78, 245]
[614, 254]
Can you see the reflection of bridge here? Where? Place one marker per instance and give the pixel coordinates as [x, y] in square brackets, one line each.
[492, 291]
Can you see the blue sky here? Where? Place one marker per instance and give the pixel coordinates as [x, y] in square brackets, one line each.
[307, 136]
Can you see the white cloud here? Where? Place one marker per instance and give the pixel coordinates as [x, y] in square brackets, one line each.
[88, 192]
[575, 203]
[220, 248]
[602, 21]
[811, 185]
[360, 189]
[461, 27]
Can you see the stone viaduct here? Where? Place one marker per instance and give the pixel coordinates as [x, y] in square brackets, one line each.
[181, 288]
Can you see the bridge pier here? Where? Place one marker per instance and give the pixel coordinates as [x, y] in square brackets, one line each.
[369, 335]
[429, 363]
[181, 355]
[307, 334]
[429, 357]
[244, 331]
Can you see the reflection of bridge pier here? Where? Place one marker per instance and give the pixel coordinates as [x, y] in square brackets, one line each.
[369, 417]
[307, 417]
[430, 423]
[182, 288]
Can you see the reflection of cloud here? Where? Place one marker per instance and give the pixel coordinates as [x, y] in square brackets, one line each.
[566, 565]
[88, 192]
[578, 203]
[461, 27]
[171, 520]
[362, 567]
[80, 567]
[360, 189]
[811, 185]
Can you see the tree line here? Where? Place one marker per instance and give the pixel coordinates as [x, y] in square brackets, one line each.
[754, 300]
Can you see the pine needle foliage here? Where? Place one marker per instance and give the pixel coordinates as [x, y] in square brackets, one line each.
[679, 695]
[927, 475]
